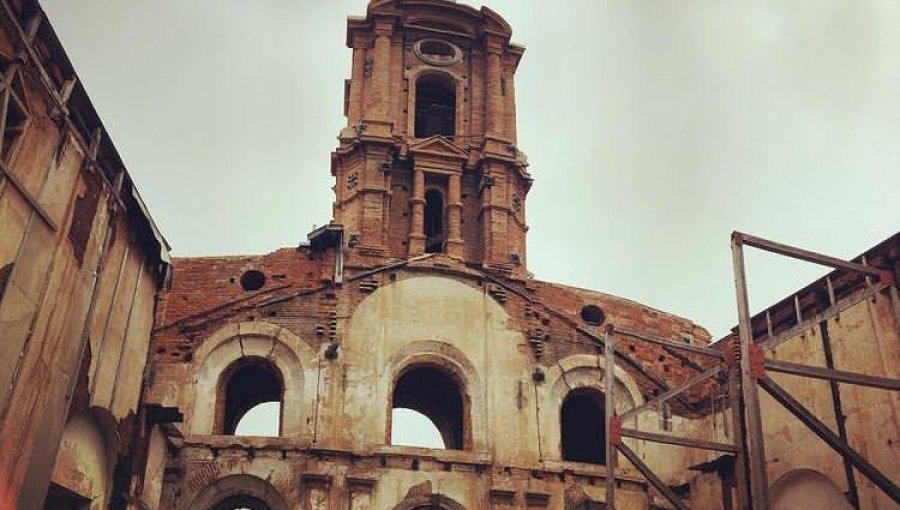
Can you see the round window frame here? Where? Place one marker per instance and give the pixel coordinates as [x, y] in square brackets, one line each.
[587, 312]
[440, 62]
[250, 278]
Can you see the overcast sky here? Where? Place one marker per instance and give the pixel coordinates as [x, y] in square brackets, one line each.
[653, 129]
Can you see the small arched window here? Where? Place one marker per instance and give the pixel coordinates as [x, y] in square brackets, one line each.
[583, 427]
[435, 106]
[251, 393]
[432, 394]
[434, 221]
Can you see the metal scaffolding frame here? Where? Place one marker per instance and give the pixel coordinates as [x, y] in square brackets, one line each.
[744, 365]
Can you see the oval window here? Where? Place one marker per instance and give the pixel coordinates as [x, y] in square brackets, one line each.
[593, 314]
[437, 52]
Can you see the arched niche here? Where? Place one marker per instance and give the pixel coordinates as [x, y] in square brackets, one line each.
[242, 488]
[578, 375]
[293, 358]
[428, 80]
[85, 459]
[806, 488]
[394, 327]
[447, 361]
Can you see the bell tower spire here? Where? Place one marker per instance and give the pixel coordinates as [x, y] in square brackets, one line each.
[428, 161]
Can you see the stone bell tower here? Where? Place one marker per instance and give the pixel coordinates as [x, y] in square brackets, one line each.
[428, 162]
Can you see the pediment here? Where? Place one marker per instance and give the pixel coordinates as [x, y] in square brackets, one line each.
[439, 146]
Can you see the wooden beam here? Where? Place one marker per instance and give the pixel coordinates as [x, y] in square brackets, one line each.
[787, 367]
[611, 446]
[690, 383]
[652, 478]
[831, 439]
[801, 254]
[677, 440]
[823, 316]
[754, 439]
[706, 351]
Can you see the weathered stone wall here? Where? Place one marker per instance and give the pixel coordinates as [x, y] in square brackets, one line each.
[337, 416]
[865, 339]
[79, 267]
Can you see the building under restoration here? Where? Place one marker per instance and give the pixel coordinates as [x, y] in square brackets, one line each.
[126, 374]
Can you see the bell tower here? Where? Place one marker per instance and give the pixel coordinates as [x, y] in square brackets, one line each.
[428, 162]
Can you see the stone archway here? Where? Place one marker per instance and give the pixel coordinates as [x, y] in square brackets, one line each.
[294, 359]
[429, 502]
[247, 490]
[806, 488]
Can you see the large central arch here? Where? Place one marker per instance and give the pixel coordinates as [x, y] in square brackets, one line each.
[250, 491]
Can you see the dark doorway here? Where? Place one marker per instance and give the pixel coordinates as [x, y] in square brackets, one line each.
[435, 106]
[434, 221]
[583, 426]
[60, 498]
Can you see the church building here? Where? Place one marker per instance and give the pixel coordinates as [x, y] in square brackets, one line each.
[129, 372]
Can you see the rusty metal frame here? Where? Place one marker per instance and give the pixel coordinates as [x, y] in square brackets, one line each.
[753, 366]
[615, 430]
[745, 367]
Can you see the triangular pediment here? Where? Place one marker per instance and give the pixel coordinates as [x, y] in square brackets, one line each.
[439, 146]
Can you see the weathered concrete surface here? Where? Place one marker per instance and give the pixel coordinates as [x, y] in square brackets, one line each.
[65, 204]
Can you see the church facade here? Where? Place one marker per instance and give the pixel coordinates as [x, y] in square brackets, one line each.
[415, 296]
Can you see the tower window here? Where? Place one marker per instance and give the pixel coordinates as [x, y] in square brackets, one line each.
[583, 426]
[433, 394]
[434, 221]
[250, 398]
[435, 106]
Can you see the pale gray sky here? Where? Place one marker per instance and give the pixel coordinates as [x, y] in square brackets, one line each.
[653, 130]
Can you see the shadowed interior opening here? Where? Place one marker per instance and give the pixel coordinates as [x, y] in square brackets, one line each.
[241, 502]
[248, 382]
[436, 395]
[583, 426]
[434, 221]
[435, 106]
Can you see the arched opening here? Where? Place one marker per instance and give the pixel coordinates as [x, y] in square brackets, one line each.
[435, 395]
[251, 393]
[434, 221]
[805, 488]
[583, 427]
[435, 106]
[83, 471]
[241, 502]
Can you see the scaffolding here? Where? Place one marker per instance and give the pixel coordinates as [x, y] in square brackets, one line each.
[741, 367]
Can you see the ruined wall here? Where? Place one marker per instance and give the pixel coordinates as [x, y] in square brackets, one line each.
[79, 260]
[336, 410]
[865, 339]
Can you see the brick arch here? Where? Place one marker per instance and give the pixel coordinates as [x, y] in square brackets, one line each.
[447, 358]
[453, 76]
[294, 359]
[429, 501]
[573, 373]
[238, 485]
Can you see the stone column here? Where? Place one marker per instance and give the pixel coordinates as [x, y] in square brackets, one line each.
[355, 102]
[378, 86]
[417, 221]
[494, 107]
[454, 216]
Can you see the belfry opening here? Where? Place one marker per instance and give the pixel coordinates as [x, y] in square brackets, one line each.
[435, 106]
